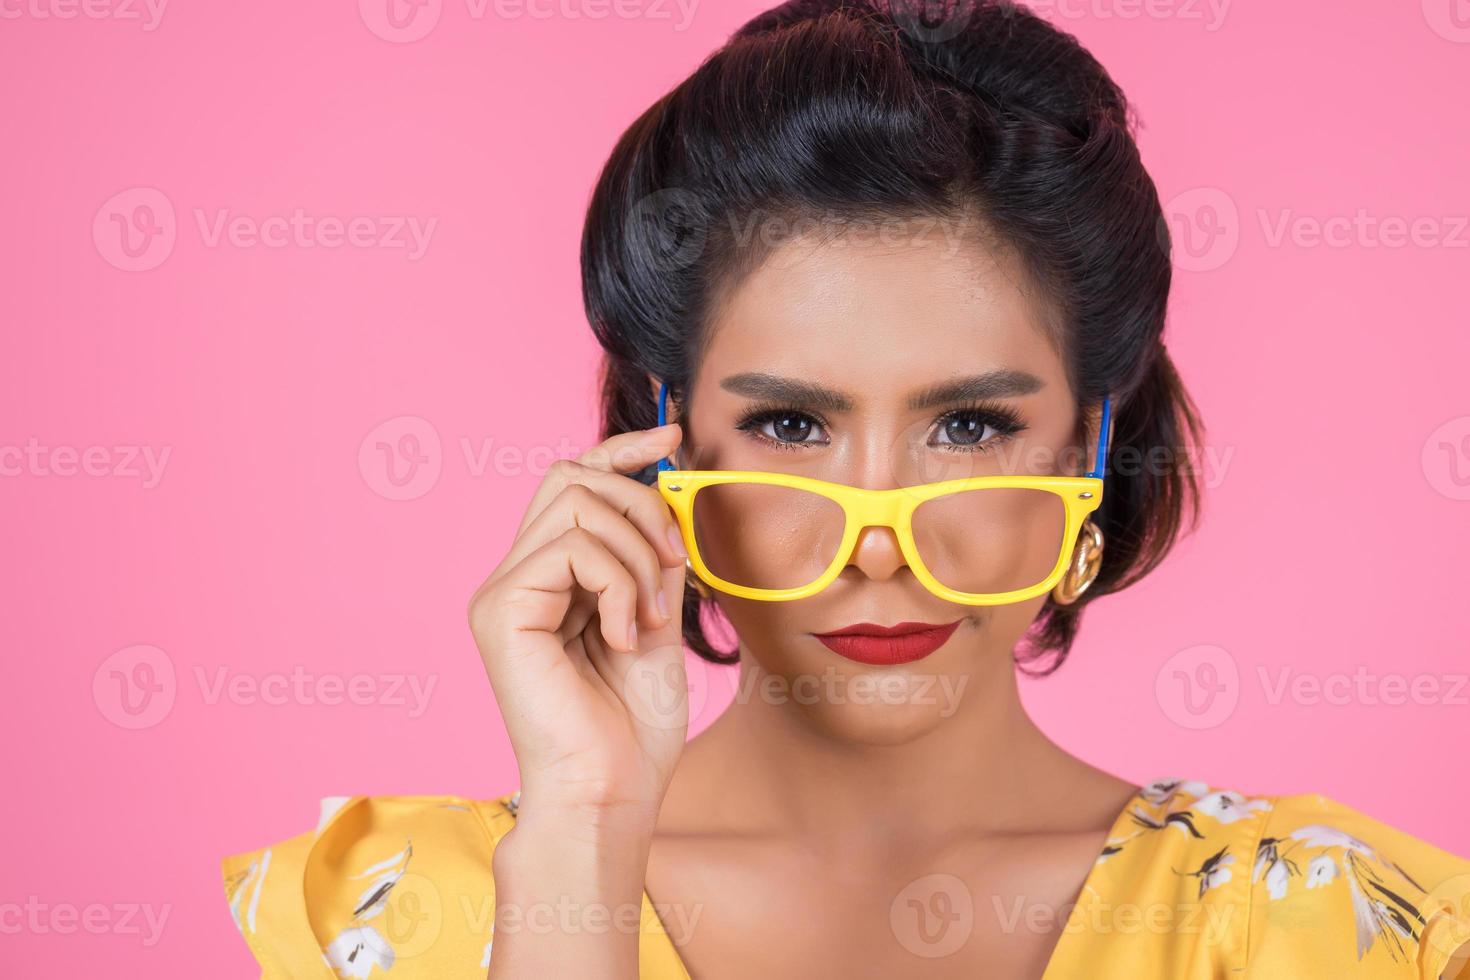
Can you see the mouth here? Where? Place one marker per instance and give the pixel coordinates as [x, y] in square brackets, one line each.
[869, 643]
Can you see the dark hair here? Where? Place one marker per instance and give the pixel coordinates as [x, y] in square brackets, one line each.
[860, 108]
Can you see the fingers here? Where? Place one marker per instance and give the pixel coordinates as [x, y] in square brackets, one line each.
[533, 597]
[626, 535]
[605, 466]
[576, 494]
[629, 452]
[592, 538]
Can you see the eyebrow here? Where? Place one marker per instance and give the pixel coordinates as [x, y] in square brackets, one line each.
[992, 384]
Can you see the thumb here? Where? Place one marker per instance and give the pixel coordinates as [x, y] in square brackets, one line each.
[654, 684]
[671, 634]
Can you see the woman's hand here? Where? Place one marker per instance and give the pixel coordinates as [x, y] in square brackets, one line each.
[580, 629]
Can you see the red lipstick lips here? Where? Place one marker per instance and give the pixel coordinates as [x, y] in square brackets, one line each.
[869, 643]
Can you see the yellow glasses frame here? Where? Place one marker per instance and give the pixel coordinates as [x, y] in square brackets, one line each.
[893, 508]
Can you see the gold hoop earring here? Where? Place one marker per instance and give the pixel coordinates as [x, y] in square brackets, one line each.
[695, 582]
[1086, 563]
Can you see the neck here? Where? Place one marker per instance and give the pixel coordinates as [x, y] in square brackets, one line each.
[772, 766]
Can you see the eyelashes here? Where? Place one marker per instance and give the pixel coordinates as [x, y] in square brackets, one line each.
[1001, 422]
[759, 415]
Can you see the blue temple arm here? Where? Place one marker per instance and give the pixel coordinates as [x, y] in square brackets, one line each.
[1104, 429]
[663, 419]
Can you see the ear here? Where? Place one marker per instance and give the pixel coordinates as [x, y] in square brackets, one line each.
[1101, 419]
[653, 386]
[673, 407]
[1092, 421]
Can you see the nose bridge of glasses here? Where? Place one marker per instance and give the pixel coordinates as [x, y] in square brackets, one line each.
[875, 508]
[874, 518]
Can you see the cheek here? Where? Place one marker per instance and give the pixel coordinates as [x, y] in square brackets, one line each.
[1008, 623]
[767, 627]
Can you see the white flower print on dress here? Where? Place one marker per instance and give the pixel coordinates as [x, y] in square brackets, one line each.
[1181, 803]
[1321, 871]
[359, 947]
[1380, 912]
[1273, 866]
[1227, 806]
[357, 950]
[248, 884]
[1215, 871]
[1317, 835]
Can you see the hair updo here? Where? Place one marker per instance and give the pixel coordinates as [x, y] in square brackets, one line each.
[864, 109]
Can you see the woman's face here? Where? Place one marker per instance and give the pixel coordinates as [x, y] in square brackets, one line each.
[818, 363]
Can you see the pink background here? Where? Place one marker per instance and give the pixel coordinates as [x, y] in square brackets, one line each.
[1331, 371]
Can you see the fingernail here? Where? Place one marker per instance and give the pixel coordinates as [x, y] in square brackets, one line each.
[632, 636]
[676, 541]
[663, 604]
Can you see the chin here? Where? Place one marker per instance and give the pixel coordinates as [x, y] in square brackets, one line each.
[862, 704]
[879, 724]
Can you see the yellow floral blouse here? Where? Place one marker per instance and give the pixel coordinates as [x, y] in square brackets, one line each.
[1194, 882]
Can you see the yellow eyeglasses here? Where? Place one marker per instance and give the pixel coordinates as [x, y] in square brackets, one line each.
[982, 541]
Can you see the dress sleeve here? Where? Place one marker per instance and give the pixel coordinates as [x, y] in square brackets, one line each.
[395, 888]
[1336, 893]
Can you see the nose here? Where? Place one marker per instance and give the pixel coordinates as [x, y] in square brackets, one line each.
[876, 554]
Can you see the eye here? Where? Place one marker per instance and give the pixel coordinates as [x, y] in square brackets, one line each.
[783, 428]
[977, 429]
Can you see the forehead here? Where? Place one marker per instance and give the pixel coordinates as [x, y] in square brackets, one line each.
[874, 315]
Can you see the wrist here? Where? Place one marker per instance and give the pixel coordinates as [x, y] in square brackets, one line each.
[594, 852]
[569, 891]
[583, 823]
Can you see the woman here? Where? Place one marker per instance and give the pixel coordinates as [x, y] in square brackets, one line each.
[856, 251]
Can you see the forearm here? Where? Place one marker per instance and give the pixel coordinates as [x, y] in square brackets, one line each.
[568, 896]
